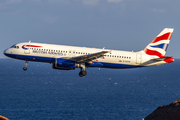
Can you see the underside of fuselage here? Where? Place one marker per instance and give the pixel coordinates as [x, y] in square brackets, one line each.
[94, 64]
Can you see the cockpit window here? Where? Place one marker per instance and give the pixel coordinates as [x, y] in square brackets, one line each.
[14, 46]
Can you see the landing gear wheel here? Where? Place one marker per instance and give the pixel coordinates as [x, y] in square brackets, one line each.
[24, 68]
[82, 73]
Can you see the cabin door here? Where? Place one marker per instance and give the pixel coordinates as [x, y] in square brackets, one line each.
[138, 58]
[26, 49]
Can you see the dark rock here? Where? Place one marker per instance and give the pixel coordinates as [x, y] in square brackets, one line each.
[3, 118]
[166, 112]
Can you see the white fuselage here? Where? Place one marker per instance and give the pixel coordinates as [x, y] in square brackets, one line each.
[48, 53]
[70, 57]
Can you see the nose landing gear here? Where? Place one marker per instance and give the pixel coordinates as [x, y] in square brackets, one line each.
[25, 68]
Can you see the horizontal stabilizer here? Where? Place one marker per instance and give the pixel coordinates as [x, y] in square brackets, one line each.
[162, 58]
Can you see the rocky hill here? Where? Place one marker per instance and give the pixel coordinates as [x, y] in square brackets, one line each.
[3, 118]
[166, 112]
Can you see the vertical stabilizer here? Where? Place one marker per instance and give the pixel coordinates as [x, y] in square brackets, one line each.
[159, 45]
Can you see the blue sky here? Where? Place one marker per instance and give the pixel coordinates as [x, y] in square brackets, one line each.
[113, 24]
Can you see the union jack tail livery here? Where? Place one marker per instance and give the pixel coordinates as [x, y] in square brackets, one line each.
[159, 45]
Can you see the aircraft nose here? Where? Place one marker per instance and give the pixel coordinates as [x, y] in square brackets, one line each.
[6, 52]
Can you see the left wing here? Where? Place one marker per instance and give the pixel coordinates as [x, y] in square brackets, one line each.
[89, 58]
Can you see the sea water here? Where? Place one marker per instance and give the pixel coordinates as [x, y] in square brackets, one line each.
[42, 93]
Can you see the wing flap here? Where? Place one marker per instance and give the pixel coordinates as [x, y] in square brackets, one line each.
[89, 58]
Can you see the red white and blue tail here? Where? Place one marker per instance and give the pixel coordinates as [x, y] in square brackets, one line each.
[159, 45]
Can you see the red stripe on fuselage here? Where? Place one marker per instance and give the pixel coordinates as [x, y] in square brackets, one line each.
[31, 46]
[166, 36]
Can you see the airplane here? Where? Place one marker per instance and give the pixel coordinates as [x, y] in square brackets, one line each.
[70, 57]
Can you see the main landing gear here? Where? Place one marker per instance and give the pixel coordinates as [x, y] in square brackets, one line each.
[25, 68]
[83, 71]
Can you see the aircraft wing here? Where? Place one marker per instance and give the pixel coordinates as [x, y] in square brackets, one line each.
[89, 58]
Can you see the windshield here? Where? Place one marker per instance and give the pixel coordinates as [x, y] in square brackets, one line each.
[14, 46]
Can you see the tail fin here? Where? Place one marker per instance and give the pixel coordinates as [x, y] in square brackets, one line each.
[159, 45]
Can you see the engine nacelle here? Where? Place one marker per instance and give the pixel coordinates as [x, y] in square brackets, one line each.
[64, 64]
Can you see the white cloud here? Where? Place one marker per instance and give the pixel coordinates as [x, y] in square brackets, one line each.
[12, 1]
[59, 1]
[89, 2]
[37, 0]
[52, 1]
[115, 1]
[7, 2]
